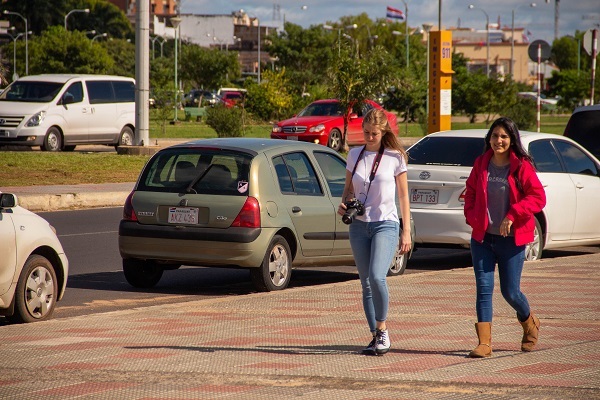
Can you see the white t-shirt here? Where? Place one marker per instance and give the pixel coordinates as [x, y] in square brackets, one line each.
[380, 203]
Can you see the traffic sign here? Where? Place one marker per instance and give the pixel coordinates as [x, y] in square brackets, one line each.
[587, 40]
[532, 50]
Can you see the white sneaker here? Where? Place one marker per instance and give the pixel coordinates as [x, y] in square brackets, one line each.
[370, 349]
[383, 343]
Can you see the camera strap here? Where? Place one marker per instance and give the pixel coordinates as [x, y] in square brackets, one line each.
[374, 167]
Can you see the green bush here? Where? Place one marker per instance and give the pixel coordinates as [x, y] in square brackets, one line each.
[227, 122]
[523, 113]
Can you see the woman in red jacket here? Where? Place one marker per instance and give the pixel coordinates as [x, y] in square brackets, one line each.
[503, 193]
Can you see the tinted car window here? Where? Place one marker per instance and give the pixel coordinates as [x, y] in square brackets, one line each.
[100, 92]
[545, 157]
[300, 174]
[321, 109]
[334, 170]
[124, 91]
[576, 161]
[446, 151]
[584, 128]
[75, 90]
[207, 171]
[34, 92]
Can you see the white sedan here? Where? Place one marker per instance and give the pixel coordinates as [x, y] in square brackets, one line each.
[33, 264]
[440, 163]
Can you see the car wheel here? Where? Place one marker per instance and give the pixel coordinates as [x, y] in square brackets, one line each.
[335, 139]
[37, 291]
[69, 148]
[398, 262]
[142, 274]
[276, 269]
[53, 140]
[533, 251]
[125, 137]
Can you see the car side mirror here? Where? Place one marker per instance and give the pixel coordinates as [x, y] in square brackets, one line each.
[8, 200]
[68, 98]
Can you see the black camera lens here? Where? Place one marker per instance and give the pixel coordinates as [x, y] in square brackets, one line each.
[349, 215]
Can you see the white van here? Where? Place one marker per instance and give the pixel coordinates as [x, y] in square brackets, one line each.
[59, 111]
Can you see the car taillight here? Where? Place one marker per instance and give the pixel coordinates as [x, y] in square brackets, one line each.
[249, 215]
[461, 198]
[128, 211]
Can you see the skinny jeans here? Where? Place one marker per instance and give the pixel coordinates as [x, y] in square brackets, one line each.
[374, 246]
[510, 258]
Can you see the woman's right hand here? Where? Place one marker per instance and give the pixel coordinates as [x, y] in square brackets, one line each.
[341, 209]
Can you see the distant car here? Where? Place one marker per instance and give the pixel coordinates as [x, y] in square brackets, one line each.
[192, 98]
[584, 128]
[547, 103]
[322, 122]
[440, 163]
[33, 264]
[261, 204]
[232, 98]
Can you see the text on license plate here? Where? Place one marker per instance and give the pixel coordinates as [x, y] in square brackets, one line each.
[292, 138]
[427, 196]
[183, 215]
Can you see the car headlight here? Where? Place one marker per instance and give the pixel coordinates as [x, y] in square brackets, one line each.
[36, 119]
[317, 128]
[277, 129]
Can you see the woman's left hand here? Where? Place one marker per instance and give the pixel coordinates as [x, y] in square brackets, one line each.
[505, 227]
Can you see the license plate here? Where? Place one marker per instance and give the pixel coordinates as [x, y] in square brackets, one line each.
[427, 196]
[292, 138]
[183, 215]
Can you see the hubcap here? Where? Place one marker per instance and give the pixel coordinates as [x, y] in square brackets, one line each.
[39, 292]
[278, 265]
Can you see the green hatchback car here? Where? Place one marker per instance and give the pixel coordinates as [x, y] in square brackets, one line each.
[263, 204]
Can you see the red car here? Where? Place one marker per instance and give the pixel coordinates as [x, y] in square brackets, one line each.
[322, 122]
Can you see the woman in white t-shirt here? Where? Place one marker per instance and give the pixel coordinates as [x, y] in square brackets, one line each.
[374, 173]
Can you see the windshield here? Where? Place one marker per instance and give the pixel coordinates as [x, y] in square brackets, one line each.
[31, 91]
[584, 128]
[444, 150]
[197, 170]
[322, 109]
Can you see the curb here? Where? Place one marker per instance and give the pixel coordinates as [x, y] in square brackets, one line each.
[54, 202]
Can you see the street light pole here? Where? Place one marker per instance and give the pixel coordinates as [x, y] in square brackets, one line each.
[15, 38]
[258, 67]
[99, 36]
[330, 28]
[175, 21]
[85, 10]
[512, 38]
[26, 38]
[406, 30]
[487, 37]
[427, 28]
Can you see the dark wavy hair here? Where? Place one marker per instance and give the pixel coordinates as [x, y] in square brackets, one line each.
[515, 138]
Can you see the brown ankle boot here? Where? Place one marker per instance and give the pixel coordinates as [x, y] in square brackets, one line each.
[484, 333]
[531, 329]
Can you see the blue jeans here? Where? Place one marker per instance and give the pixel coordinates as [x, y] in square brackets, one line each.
[510, 259]
[374, 246]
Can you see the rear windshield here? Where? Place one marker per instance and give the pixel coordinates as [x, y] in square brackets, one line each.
[201, 171]
[455, 151]
[584, 128]
[31, 91]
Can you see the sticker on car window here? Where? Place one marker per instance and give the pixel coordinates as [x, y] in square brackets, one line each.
[242, 186]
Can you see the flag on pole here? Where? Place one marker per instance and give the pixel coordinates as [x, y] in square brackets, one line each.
[395, 13]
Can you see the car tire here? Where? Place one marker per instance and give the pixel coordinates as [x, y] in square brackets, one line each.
[53, 140]
[335, 140]
[126, 137]
[533, 251]
[142, 274]
[399, 262]
[276, 269]
[37, 291]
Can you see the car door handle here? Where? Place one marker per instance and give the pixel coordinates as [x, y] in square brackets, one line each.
[84, 110]
[579, 186]
[296, 209]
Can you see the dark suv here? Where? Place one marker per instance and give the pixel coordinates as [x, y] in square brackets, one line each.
[584, 128]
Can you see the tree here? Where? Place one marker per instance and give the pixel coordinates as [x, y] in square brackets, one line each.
[208, 68]
[57, 51]
[571, 86]
[565, 52]
[123, 54]
[40, 14]
[355, 79]
[271, 99]
[104, 17]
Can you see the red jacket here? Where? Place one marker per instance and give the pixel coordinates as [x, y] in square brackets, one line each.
[525, 201]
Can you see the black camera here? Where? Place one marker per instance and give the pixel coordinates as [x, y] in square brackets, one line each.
[353, 208]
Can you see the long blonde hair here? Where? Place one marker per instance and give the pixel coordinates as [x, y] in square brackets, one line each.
[377, 118]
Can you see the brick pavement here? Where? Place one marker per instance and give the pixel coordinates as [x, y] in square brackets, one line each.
[305, 342]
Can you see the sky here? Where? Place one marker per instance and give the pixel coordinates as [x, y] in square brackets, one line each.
[539, 20]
